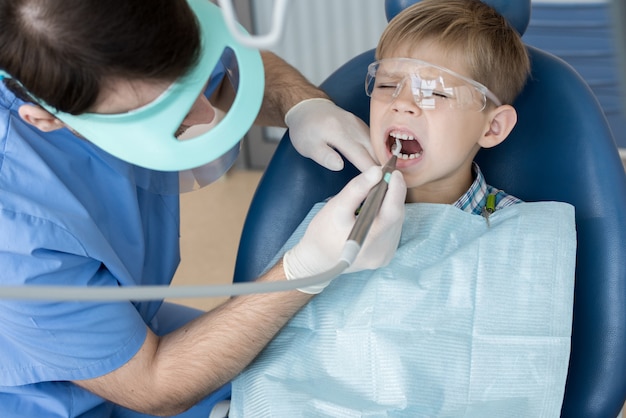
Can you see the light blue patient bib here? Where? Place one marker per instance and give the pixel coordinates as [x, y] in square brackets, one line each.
[468, 320]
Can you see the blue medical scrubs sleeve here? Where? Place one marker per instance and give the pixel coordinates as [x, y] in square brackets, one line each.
[44, 341]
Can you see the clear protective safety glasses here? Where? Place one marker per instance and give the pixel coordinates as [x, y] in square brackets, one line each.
[147, 137]
[433, 87]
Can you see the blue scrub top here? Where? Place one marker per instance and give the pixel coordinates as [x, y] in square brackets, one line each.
[72, 214]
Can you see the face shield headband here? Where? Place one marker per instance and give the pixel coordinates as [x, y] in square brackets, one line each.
[433, 87]
[146, 136]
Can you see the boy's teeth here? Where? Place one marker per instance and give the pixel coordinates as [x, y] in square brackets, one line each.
[409, 157]
[405, 137]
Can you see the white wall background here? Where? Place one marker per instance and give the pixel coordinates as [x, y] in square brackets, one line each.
[320, 35]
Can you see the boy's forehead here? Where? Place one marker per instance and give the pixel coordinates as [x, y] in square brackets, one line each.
[435, 53]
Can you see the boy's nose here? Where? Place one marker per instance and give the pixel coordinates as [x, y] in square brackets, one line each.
[404, 100]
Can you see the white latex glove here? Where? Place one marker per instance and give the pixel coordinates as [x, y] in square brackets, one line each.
[321, 246]
[318, 129]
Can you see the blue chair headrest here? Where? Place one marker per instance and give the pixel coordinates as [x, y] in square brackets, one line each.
[517, 12]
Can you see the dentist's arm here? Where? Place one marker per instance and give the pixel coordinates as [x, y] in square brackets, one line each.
[318, 128]
[170, 374]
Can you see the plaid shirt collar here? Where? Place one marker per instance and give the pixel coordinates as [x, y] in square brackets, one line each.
[475, 198]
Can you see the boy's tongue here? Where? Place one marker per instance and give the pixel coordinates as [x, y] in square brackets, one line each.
[410, 147]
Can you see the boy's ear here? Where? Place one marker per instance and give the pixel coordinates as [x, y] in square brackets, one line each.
[502, 119]
[39, 118]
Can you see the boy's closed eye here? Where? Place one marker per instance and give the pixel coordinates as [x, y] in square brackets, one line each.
[442, 95]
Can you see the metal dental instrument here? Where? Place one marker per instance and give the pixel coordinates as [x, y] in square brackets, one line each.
[373, 202]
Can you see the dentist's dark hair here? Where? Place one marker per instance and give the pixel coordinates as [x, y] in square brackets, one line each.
[63, 51]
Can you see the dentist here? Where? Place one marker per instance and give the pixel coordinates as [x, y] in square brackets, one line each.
[73, 214]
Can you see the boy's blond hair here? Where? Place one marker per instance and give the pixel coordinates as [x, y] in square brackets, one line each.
[493, 51]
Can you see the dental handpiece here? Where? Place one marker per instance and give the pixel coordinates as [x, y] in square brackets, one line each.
[373, 202]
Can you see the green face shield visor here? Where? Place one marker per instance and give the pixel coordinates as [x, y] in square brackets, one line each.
[146, 136]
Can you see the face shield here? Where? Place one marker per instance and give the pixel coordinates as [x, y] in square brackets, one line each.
[147, 137]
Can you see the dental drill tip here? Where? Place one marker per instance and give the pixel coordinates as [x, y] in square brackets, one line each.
[397, 147]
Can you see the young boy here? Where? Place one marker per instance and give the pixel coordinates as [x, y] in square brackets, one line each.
[472, 317]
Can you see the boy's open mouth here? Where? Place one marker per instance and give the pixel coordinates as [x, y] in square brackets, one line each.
[411, 148]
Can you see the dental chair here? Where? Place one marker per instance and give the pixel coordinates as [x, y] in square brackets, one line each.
[562, 149]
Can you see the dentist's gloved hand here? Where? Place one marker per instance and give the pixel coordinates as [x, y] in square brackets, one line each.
[321, 246]
[318, 129]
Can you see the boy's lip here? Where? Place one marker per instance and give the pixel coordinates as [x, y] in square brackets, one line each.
[411, 147]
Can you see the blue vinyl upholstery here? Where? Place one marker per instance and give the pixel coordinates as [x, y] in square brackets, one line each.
[561, 149]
